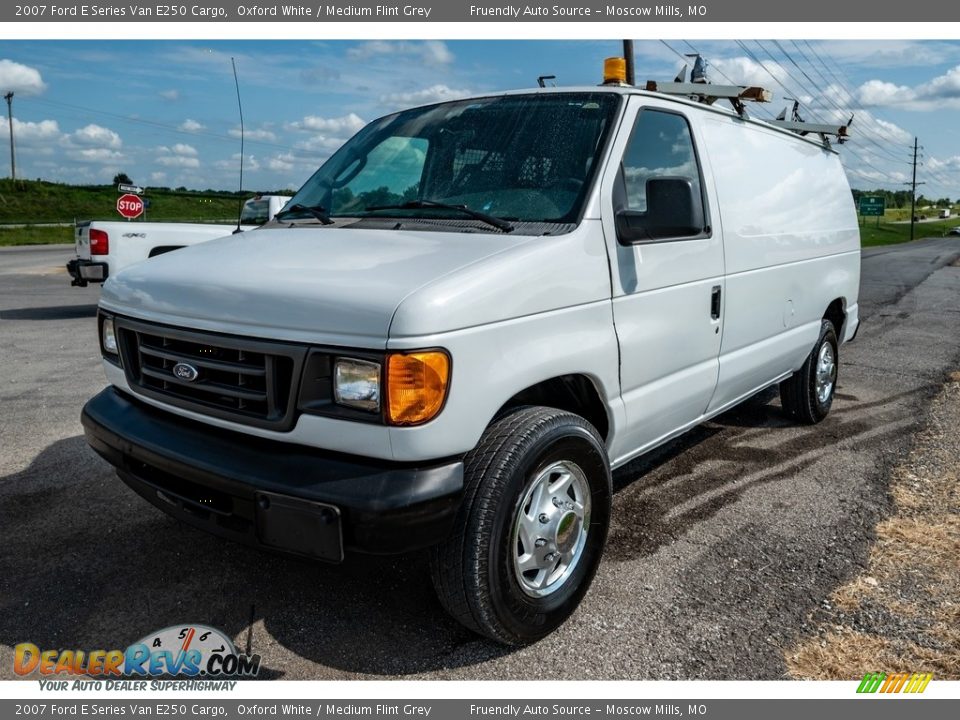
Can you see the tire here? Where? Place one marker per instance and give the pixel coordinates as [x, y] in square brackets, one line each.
[805, 397]
[478, 571]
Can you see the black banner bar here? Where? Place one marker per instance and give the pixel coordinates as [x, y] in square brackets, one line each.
[465, 11]
[892, 708]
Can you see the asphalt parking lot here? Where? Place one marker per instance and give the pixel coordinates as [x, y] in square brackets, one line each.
[722, 543]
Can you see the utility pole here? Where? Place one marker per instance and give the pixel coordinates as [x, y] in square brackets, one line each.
[913, 188]
[13, 163]
[628, 57]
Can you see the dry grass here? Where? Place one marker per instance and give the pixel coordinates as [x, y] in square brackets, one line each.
[906, 604]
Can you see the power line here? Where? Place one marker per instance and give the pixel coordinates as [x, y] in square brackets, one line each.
[882, 177]
[835, 71]
[769, 115]
[763, 65]
[812, 92]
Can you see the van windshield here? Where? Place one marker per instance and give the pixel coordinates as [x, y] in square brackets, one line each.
[527, 158]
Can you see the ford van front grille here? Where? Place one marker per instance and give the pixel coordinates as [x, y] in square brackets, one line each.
[228, 377]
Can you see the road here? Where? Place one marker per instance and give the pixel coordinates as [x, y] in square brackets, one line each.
[721, 544]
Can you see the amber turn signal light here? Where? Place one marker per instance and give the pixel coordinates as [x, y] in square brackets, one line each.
[417, 385]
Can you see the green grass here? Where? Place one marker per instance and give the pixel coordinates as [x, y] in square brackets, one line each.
[36, 201]
[872, 235]
[893, 214]
[31, 235]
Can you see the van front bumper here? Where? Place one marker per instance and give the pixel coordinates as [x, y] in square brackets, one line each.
[85, 271]
[270, 494]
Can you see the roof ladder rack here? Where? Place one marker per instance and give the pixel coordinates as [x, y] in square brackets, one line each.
[824, 130]
[701, 90]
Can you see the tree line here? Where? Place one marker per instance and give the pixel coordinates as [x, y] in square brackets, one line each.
[901, 198]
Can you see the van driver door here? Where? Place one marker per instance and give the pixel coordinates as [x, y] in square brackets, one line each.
[667, 273]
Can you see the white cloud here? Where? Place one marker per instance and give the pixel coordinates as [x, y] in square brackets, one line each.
[345, 125]
[320, 145]
[279, 164]
[178, 161]
[744, 71]
[184, 149]
[158, 177]
[893, 178]
[951, 164]
[93, 144]
[21, 79]
[942, 87]
[189, 125]
[326, 135]
[285, 161]
[95, 136]
[180, 155]
[232, 165]
[893, 131]
[942, 91]
[95, 155]
[259, 134]
[33, 133]
[432, 94]
[431, 52]
[880, 93]
[170, 94]
[884, 53]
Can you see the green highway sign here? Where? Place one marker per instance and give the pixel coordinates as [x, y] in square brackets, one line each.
[872, 206]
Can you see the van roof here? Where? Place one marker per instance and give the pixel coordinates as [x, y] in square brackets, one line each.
[634, 90]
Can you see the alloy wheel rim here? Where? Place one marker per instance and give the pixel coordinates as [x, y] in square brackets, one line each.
[550, 528]
[826, 372]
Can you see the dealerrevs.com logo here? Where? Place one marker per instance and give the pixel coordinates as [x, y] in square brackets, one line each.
[908, 683]
[190, 651]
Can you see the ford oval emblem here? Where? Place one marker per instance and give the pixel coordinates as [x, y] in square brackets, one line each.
[186, 372]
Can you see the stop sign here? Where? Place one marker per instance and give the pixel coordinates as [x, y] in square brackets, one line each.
[130, 206]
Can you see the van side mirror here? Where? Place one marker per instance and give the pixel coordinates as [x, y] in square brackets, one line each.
[673, 211]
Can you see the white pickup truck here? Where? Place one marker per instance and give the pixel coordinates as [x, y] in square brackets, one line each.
[105, 247]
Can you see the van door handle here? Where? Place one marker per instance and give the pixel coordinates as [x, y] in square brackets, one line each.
[715, 303]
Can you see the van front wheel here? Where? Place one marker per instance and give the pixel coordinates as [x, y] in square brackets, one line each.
[531, 527]
[808, 394]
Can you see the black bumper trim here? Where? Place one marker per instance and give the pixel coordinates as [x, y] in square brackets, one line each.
[79, 278]
[215, 479]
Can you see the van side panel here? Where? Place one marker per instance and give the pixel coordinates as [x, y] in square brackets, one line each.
[791, 247]
[669, 341]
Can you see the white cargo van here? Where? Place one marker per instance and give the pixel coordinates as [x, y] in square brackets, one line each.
[468, 317]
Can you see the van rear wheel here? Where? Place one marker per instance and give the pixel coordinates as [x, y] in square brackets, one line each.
[807, 395]
[531, 528]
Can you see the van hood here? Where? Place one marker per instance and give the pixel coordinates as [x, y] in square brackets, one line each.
[326, 285]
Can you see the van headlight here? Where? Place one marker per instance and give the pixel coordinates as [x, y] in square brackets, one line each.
[356, 384]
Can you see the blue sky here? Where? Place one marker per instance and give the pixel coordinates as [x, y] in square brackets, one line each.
[165, 112]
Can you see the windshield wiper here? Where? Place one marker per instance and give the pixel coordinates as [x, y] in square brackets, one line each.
[319, 212]
[496, 222]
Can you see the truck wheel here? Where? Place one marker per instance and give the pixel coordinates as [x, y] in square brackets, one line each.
[808, 394]
[531, 527]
